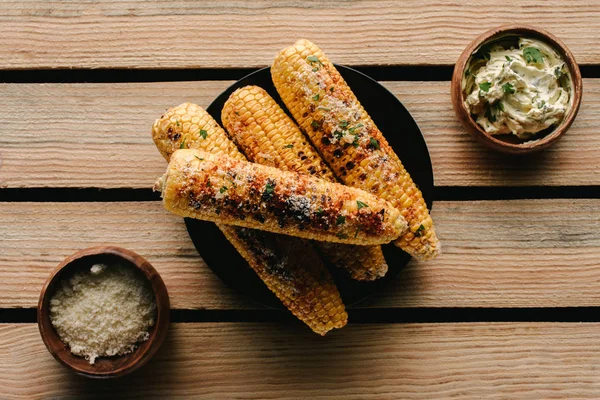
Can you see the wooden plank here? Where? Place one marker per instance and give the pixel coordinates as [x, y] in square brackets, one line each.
[520, 253]
[271, 361]
[97, 135]
[190, 34]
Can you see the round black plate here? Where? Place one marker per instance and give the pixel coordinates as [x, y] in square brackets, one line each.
[403, 134]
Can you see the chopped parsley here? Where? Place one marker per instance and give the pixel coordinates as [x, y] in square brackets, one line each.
[319, 212]
[177, 123]
[340, 220]
[508, 88]
[314, 124]
[342, 235]
[343, 124]
[182, 144]
[499, 106]
[485, 86]
[508, 58]
[208, 184]
[331, 89]
[351, 130]
[223, 189]
[541, 104]
[203, 133]
[360, 204]
[269, 188]
[419, 230]
[201, 159]
[338, 134]
[314, 62]
[532, 55]
[316, 97]
[324, 108]
[558, 72]
[374, 143]
[288, 146]
[355, 141]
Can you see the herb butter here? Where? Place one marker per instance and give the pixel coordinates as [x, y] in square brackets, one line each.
[517, 87]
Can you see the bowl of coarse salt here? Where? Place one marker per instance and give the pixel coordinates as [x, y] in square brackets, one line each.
[103, 312]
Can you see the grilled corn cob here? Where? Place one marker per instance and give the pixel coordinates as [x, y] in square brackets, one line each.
[328, 111]
[265, 134]
[305, 288]
[222, 189]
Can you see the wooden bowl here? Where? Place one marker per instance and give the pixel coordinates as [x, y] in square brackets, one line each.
[513, 145]
[104, 367]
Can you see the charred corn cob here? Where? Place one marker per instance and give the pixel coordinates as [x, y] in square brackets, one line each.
[222, 189]
[305, 288]
[328, 111]
[265, 134]
[294, 272]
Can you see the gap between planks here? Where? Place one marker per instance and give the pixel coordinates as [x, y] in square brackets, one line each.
[268, 361]
[540, 253]
[98, 135]
[233, 34]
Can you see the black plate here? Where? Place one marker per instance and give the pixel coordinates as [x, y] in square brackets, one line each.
[403, 134]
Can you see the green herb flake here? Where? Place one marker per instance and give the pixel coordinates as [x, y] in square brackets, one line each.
[342, 235]
[558, 72]
[316, 97]
[532, 55]
[199, 158]
[288, 146]
[182, 144]
[319, 212]
[360, 204]
[314, 124]
[208, 184]
[313, 59]
[355, 141]
[203, 133]
[338, 134]
[223, 189]
[541, 104]
[269, 188]
[499, 106]
[177, 123]
[340, 220]
[485, 86]
[374, 143]
[343, 124]
[508, 58]
[419, 230]
[508, 88]
[331, 89]
[356, 233]
[324, 108]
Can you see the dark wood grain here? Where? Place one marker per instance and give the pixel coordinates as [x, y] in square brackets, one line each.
[104, 367]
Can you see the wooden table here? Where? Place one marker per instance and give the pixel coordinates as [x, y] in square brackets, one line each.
[509, 310]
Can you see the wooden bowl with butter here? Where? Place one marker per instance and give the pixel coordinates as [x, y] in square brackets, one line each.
[107, 271]
[516, 89]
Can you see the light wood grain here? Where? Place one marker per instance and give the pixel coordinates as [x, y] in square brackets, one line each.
[275, 361]
[190, 34]
[97, 135]
[522, 253]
